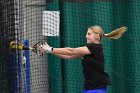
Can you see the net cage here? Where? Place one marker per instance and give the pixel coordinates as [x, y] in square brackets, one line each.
[63, 23]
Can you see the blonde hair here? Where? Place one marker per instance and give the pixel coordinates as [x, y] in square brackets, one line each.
[115, 34]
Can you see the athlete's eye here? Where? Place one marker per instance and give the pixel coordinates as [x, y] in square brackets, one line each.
[89, 33]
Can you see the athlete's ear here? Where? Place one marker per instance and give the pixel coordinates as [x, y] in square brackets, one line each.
[97, 36]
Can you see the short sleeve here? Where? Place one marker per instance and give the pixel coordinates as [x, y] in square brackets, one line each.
[94, 48]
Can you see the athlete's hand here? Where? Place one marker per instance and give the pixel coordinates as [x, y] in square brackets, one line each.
[45, 48]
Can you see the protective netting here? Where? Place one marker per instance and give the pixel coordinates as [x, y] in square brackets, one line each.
[63, 23]
[22, 71]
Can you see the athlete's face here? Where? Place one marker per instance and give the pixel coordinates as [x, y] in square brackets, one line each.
[92, 37]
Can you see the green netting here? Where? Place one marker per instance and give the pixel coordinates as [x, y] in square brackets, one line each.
[122, 56]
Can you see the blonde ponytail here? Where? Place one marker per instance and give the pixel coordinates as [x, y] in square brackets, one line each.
[116, 34]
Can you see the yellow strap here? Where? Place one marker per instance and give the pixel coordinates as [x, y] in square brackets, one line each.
[14, 46]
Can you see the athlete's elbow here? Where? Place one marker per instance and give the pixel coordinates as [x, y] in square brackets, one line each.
[70, 51]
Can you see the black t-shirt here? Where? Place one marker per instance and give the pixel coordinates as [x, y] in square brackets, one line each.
[93, 68]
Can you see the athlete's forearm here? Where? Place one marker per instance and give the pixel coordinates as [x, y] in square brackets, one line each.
[67, 56]
[65, 51]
